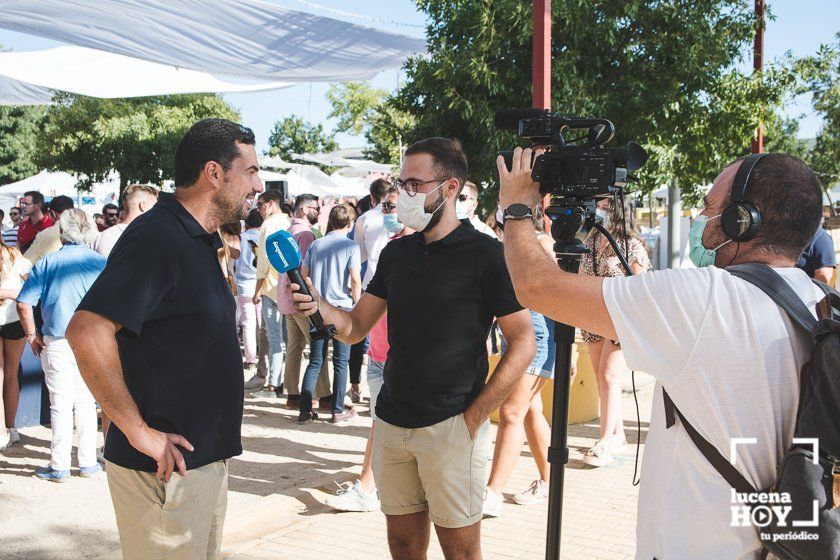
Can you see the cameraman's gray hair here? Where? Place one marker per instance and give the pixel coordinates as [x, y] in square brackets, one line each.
[75, 227]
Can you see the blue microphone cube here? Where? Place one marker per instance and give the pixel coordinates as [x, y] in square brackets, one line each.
[283, 251]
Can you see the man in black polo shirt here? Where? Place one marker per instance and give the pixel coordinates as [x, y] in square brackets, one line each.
[442, 287]
[155, 339]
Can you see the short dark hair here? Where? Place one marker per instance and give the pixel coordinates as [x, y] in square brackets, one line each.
[271, 196]
[37, 197]
[364, 204]
[340, 217]
[208, 140]
[379, 188]
[15, 208]
[789, 197]
[287, 208]
[254, 219]
[305, 197]
[109, 206]
[447, 156]
[60, 203]
[231, 228]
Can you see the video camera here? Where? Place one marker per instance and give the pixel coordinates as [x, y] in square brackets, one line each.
[581, 167]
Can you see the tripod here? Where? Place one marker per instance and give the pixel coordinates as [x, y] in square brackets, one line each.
[571, 220]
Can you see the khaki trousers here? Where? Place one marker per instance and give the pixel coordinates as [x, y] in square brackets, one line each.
[177, 520]
[298, 329]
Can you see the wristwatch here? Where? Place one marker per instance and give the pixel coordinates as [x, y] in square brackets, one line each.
[517, 212]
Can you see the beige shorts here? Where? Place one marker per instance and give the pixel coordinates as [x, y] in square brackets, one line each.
[439, 468]
[177, 520]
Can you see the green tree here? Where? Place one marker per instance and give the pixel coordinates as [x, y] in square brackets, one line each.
[362, 109]
[136, 137]
[821, 77]
[662, 72]
[20, 126]
[293, 135]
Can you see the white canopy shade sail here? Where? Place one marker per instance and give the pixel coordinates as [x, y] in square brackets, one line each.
[103, 74]
[332, 159]
[15, 92]
[273, 162]
[246, 38]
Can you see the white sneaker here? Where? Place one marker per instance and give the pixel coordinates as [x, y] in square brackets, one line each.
[14, 436]
[351, 497]
[256, 382]
[599, 455]
[4, 439]
[492, 503]
[537, 493]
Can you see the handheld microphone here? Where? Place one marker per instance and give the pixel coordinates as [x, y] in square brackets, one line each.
[284, 255]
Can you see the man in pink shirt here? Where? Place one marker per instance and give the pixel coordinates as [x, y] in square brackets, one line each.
[305, 215]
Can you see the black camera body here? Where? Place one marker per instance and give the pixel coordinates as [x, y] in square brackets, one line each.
[581, 168]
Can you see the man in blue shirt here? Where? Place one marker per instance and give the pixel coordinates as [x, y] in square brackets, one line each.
[818, 259]
[334, 264]
[59, 281]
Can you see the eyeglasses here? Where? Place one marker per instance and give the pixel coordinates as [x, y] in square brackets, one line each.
[410, 186]
[111, 215]
[14, 214]
[388, 206]
[316, 208]
[27, 203]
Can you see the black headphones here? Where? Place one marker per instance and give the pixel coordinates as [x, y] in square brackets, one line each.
[741, 219]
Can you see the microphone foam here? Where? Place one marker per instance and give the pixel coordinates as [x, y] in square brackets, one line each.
[283, 251]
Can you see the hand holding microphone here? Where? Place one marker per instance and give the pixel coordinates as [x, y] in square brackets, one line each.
[284, 255]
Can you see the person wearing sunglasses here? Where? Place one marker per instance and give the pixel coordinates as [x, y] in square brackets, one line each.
[441, 287]
[466, 206]
[110, 216]
[10, 234]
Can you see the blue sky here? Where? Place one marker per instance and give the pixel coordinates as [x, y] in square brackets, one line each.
[800, 26]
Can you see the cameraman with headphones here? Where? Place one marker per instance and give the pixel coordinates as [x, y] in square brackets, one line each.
[726, 354]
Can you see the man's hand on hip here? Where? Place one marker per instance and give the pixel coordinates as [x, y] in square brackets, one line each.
[163, 448]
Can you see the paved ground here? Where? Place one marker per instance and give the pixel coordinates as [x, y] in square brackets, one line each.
[277, 488]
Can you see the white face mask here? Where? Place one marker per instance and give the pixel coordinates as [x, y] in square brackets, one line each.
[411, 210]
[601, 213]
[462, 209]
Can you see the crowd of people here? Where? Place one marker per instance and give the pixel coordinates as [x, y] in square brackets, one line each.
[167, 310]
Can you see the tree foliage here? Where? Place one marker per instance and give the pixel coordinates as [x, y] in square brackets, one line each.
[821, 77]
[663, 72]
[293, 135]
[20, 126]
[136, 137]
[362, 109]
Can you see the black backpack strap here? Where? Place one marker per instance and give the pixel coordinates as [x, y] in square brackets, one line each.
[766, 279]
[726, 469]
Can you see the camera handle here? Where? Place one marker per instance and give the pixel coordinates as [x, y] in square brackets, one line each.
[569, 254]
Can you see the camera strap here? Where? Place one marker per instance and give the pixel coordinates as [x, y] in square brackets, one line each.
[726, 469]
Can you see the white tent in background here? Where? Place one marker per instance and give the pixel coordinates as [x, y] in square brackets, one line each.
[55, 183]
[308, 179]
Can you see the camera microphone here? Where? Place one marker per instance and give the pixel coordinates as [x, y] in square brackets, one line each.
[508, 119]
[284, 255]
